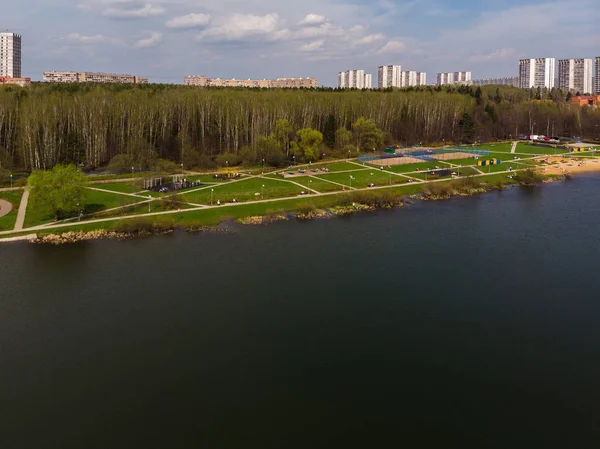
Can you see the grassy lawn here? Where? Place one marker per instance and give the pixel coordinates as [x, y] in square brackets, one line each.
[95, 202]
[123, 187]
[243, 191]
[317, 184]
[532, 149]
[363, 178]
[341, 166]
[496, 147]
[8, 221]
[408, 168]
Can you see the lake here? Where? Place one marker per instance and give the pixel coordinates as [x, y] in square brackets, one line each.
[470, 323]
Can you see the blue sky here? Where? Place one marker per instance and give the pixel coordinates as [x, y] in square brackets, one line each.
[167, 40]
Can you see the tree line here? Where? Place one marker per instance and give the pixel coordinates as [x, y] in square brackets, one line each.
[88, 124]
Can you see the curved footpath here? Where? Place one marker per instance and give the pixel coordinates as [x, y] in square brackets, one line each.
[5, 208]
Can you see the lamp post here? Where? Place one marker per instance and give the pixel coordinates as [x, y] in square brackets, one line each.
[262, 191]
[351, 178]
[132, 169]
[11, 181]
[149, 202]
[263, 166]
[211, 196]
[294, 160]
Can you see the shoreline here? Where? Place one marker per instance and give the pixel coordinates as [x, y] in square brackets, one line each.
[386, 200]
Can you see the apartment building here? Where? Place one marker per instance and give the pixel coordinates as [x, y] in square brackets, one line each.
[597, 75]
[10, 55]
[389, 76]
[421, 79]
[92, 77]
[279, 83]
[444, 79]
[537, 73]
[462, 78]
[506, 81]
[575, 75]
[7, 80]
[355, 79]
[409, 78]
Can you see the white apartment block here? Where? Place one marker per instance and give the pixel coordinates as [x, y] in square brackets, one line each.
[10, 55]
[462, 78]
[421, 79]
[409, 78]
[537, 73]
[444, 79]
[575, 75]
[597, 76]
[506, 81]
[389, 76]
[354, 79]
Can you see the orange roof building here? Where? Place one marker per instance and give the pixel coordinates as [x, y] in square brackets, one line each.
[586, 100]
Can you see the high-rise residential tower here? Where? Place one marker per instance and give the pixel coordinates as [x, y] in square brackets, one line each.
[575, 75]
[10, 55]
[445, 78]
[597, 76]
[536, 73]
[462, 78]
[355, 79]
[389, 76]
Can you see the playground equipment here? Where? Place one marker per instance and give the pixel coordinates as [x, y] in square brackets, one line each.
[150, 183]
[227, 173]
[578, 150]
[486, 162]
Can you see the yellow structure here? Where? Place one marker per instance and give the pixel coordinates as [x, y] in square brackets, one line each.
[486, 162]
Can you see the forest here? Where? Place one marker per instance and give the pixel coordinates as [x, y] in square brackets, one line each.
[92, 125]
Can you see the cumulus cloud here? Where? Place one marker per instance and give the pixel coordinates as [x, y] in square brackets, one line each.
[245, 26]
[313, 19]
[371, 38]
[96, 39]
[152, 41]
[189, 21]
[392, 47]
[312, 46]
[147, 10]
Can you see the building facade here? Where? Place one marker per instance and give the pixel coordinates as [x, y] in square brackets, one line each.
[597, 76]
[575, 75]
[444, 79]
[10, 55]
[421, 79]
[7, 80]
[507, 81]
[279, 83]
[537, 73]
[92, 77]
[389, 76]
[409, 78]
[462, 78]
[355, 79]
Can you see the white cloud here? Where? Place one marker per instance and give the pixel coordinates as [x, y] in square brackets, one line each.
[371, 38]
[312, 46]
[96, 39]
[313, 19]
[392, 47]
[152, 41]
[189, 21]
[244, 26]
[499, 55]
[147, 10]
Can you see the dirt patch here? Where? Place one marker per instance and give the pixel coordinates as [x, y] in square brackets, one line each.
[413, 160]
[5, 207]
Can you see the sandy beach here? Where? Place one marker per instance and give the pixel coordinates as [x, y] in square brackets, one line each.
[572, 167]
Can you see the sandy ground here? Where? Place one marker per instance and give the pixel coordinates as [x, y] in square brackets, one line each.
[572, 167]
[5, 208]
[412, 160]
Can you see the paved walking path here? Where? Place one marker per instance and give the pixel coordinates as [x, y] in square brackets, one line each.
[514, 147]
[22, 211]
[5, 207]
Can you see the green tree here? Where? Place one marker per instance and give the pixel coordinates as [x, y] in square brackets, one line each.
[467, 125]
[329, 131]
[269, 149]
[59, 192]
[343, 137]
[308, 144]
[367, 135]
[283, 132]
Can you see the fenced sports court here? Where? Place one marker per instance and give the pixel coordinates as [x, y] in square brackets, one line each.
[417, 155]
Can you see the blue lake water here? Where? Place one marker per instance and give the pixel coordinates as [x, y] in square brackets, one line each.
[471, 323]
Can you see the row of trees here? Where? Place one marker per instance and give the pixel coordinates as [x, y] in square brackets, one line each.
[48, 125]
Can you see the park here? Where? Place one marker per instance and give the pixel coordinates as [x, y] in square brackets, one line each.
[107, 202]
